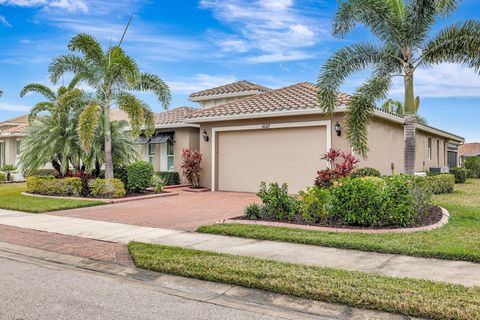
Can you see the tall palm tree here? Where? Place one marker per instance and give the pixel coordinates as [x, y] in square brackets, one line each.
[114, 76]
[402, 28]
[396, 106]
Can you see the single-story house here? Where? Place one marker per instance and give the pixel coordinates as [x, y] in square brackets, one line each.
[468, 150]
[12, 132]
[249, 133]
[279, 135]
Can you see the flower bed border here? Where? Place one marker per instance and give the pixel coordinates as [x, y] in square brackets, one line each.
[202, 189]
[108, 201]
[443, 221]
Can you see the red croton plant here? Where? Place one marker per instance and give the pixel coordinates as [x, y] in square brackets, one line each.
[336, 169]
[191, 166]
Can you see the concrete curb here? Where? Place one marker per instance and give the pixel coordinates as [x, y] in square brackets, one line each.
[234, 297]
[443, 221]
[108, 201]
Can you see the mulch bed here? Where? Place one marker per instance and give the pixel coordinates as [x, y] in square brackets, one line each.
[433, 216]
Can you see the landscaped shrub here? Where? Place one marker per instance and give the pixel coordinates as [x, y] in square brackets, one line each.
[54, 187]
[460, 174]
[120, 172]
[158, 184]
[314, 204]
[139, 176]
[170, 178]
[8, 169]
[3, 176]
[277, 203]
[441, 183]
[365, 172]
[44, 172]
[473, 165]
[253, 211]
[368, 202]
[422, 195]
[106, 188]
[191, 166]
[85, 177]
[335, 171]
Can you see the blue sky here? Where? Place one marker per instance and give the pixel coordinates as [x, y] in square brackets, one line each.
[199, 44]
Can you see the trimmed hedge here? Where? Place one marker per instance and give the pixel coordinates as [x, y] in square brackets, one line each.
[170, 178]
[441, 183]
[365, 172]
[139, 176]
[461, 174]
[106, 188]
[3, 176]
[44, 172]
[473, 165]
[54, 187]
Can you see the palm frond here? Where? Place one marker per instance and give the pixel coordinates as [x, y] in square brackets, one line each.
[135, 110]
[73, 83]
[89, 47]
[39, 88]
[87, 126]
[67, 63]
[337, 68]
[360, 110]
[458, 43]
[152, 83]
[40, 107]
[122, 67]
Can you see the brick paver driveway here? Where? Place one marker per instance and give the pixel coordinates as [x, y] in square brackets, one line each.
[186, 211]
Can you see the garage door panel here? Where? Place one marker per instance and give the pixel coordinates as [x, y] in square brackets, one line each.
[291, 155]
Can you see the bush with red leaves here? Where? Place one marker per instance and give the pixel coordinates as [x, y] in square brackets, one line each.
[335, 170]
[191, 166]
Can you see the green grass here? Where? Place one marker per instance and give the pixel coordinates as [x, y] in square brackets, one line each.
[12, 199]
[418, 298]
[458, 240]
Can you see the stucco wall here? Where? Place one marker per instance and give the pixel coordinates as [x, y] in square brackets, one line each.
[11, 150]
[439, 157]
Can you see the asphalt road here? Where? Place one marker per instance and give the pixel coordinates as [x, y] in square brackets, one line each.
[34, 291]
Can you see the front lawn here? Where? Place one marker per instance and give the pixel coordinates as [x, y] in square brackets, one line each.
[458, 240]
[12, 199]
[418, 298]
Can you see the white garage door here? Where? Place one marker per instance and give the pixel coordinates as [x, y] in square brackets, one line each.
[291, 155]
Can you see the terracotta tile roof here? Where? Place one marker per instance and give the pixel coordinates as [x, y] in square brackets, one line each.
[236, 87]
[20, 129]
[20, 119]
[300, 96]
[118, 115]
[174, 116]
[469, 149]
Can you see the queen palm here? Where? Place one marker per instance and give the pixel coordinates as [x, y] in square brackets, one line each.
[114, 76]
[402, 28]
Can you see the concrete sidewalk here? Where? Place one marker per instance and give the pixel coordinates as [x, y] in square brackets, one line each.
[459, 272]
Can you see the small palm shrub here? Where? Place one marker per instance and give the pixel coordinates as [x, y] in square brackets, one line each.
[191, 166]
[139, 176]
[365, 172]
[460, 174]
[8, 169]
[253, 211]
[473, 165]
[3, 176]
[106, 188]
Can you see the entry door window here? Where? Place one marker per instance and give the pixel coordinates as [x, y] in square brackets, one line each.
[170, 156]
[2, 154]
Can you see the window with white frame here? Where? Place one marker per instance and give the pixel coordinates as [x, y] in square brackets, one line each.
[17, 147]
[429, 149]
[170, 155]
[151, 153]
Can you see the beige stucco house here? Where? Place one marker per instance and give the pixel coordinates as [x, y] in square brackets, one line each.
[279, 135]
[248, 133]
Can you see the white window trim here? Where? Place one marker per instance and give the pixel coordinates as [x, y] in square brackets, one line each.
[326, 123]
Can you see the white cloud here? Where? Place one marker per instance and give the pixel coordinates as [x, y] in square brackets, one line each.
[445, 80]
[4, 22]
[14, 107]
[280, 57]
[199, 82]
[266, 28]
[68, 5]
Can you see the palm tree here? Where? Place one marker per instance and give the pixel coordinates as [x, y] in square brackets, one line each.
[396, 106]
[52, 136]
[402, 28]
[114, 76]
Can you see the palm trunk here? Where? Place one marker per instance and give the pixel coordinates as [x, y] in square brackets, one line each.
[409, 126]
[108, 142]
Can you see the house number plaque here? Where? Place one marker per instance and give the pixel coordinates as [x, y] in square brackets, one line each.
[266, 126]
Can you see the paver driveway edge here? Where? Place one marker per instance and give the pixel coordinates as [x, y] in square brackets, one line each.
[459, 272]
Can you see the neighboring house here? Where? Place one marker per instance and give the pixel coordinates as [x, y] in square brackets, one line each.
[11, 133]
[469, 150]
[248, 133]
[279, 135]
